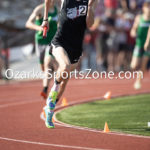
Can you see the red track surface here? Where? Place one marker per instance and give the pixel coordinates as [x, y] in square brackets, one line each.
[20, 123]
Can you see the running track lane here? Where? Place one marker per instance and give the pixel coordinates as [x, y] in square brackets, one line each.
[22, 128]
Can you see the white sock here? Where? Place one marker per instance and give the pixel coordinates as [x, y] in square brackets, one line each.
[55, 86]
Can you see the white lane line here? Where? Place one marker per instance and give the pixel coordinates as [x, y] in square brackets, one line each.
[48, 144]
[98, 131]
[18, 103]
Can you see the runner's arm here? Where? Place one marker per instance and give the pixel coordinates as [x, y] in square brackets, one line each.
[31, 21]
[95, 24]
[46, 8]
[90, 13]
[147, 41]
[135, 26]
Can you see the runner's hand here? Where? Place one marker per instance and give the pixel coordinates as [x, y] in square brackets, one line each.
[45, 24]
[40, 28]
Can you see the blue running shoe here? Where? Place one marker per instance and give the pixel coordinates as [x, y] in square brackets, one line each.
[48, 119]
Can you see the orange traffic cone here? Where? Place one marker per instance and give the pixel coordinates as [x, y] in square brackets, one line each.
[106, 129]
[107, 95]
[64, 102]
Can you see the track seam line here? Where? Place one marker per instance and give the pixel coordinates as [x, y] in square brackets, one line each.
[48, 144]
[18, 103]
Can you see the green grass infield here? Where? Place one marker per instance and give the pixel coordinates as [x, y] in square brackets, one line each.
[129, 114]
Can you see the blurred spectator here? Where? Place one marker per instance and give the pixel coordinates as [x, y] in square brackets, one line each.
[124, 4]
[1, 59]
[124, 22]
[89, 48]
[113, 43]
[111, 40]
[129, 17]
[5, 53]
[100, 9]
[1, 66]
[100, 42]
[134, 9]
[4, 56]
[121, 39]
[140, 3]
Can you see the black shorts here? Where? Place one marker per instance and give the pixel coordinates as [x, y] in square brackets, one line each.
[73, 54]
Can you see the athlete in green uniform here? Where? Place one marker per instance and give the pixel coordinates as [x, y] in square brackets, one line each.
[42, 44]
[139, 30]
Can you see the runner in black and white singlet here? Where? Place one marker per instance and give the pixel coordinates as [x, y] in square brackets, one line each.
[75, 16]
[72, 24]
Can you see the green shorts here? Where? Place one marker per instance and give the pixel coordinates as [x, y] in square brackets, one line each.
[140, 52]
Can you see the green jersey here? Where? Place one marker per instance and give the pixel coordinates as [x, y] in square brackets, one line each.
[52, 19]
[142, 32]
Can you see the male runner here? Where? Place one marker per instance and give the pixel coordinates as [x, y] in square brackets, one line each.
[42, 44]
[75, 16]
[139, 30]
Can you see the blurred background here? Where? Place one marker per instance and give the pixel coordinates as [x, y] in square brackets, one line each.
[108, 46]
